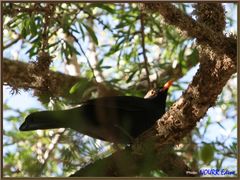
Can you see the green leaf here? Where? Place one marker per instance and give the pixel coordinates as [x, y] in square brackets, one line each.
[14, 24]
[91, 33]
[36, 40]
[53, 44]
[131, 76]
[234, 127]
[207, 153]
[207, 124]
[75, 87]
[32, 51]
[80, 86]
[71, 49]
[66, 23]
[121, 25]
[104, 7]
[106, 67]
[233, 147]
[24, 32]
[100, 62]
[74, 29]
[181, 56]
[6, 107]
[219, 163]
[33, 27]
[221, 125]
[193, 58]
[81, 29]
[115, 48]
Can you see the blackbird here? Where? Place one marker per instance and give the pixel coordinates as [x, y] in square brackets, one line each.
[117, 119]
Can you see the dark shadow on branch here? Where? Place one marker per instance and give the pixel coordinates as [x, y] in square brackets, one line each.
[125, 163]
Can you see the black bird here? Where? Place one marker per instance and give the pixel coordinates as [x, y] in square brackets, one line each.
[117, 119]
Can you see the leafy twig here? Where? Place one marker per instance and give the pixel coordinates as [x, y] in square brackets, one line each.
[11, 43]
[89, 64]
[144, 49]
[51, 147]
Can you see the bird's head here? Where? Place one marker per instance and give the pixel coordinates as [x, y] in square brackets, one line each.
[41, 120]
[29, 122]
[159, 93]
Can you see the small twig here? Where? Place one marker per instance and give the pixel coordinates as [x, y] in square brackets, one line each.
[76, 40]
[54, 142]
[93, 51]
[88, 61]
[144, 50]
[45, 30]
[11, 43]
[95, 18]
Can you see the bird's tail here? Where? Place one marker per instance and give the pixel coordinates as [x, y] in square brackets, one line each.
[44, 120]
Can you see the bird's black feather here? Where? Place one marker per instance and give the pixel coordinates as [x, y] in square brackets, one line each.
[116, 119]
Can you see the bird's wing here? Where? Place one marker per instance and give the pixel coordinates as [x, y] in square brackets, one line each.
[127, 103]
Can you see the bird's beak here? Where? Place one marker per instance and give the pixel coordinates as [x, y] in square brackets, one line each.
[24, 126]
[167, 85]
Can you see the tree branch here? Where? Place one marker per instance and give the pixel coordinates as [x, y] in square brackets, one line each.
[211, 14]
[201, 94]
[16, 75]
[126, 163]
[215, 70]
[219, 43]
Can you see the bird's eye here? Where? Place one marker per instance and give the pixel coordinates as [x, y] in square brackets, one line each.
[151, 93]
